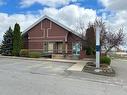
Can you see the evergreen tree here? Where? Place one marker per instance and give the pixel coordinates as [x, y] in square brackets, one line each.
[7, 45]
[17, 40]
[91, 40]
[90, 37]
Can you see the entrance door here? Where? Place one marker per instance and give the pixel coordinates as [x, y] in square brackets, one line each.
[76, 48]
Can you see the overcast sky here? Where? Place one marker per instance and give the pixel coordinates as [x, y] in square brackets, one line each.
[26, 12]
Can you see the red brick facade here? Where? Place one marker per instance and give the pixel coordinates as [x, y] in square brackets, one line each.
[48, 31]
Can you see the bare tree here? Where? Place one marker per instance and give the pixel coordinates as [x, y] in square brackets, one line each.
[103, 33]
[80, 26]
[114, 40]
[109, 39]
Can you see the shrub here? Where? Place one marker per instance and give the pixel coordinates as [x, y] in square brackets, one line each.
[46, 55]
[24, 53]
[34, 54]
[105, 60]
[14, 53]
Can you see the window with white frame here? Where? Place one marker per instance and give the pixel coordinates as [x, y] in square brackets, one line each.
[76, 48]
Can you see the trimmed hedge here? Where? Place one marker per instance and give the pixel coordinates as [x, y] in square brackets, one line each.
[34, 54]
[24, 53]
[105, 60]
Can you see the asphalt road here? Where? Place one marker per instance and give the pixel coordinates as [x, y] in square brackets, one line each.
[27, 77]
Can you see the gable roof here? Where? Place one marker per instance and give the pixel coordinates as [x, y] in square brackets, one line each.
[56, 22]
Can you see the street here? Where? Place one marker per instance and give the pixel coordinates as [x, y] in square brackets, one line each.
[29, 77]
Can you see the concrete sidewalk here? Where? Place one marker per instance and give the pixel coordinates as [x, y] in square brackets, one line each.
[77, 67]
[49, 59]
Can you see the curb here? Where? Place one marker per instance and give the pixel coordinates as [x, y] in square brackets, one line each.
[34, 59]
[51, 60]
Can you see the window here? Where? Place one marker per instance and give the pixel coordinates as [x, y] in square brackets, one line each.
[60, 47]
[48, 47]
[76, 48]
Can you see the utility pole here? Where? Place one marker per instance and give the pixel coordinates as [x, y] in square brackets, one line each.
[98, 30]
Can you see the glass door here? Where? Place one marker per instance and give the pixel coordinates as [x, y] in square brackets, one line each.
[76, 48]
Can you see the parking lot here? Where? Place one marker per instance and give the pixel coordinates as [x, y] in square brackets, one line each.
[30, 77]
[30, 66]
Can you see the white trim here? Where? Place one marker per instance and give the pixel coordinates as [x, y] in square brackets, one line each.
[50, 27]
[52, 40]
[43, 32]
[38, 21]
[41, 25]
[66, 37]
